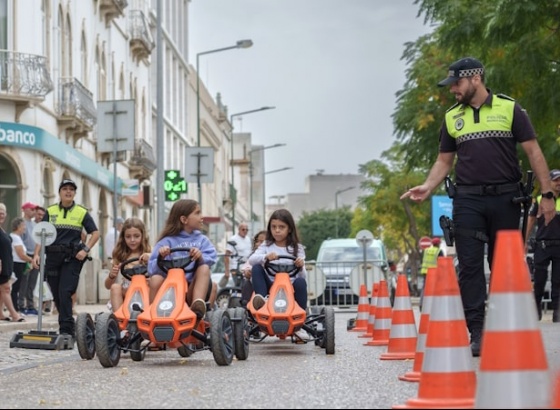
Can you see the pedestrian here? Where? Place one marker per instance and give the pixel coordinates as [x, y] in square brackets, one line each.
[183, 230]
[281, 239]
[110, 237]
[429, 260]
[482, 129]
[247, 287]
[67, 254]
[546, 251]
[22, 261]
[25, 303]
[6, 269]
[242, 249]
[132, 243]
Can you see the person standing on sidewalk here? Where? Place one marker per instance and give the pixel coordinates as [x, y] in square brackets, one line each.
[547, 250]
[242, 250]
[482, 129]
[429, 260]
[67, 254]
[29, 278]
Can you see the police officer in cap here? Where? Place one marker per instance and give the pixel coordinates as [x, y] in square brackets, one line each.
[67, 254]
[482, 129]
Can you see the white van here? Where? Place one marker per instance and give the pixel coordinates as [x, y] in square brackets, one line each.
[338, 258]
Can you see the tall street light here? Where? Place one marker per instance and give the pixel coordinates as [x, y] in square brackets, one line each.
[340, 191]
[239, 44]
[251, 181]
[231, 161]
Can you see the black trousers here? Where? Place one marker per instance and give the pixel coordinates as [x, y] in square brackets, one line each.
[542, 258]
[488, 214]
[63, 275]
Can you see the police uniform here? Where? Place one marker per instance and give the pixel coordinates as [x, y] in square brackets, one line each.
[62, 269]
[547, 250]
[488, 177]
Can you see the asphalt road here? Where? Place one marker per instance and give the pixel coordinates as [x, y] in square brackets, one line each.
[277, 374]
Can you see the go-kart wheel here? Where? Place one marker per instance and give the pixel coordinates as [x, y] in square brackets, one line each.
[221, 337]
[240, 331]
[222, 300]
[135, 353]
[328, 331]
[107, 338]
[184, 351]
[85, 336]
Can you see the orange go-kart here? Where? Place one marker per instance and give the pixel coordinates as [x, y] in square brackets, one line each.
[170, 323]
[281, 316]
[113, 333]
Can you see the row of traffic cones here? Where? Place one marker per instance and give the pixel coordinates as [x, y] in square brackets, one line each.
[513, 366]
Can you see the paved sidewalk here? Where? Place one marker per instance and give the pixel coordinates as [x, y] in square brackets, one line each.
[48, 321]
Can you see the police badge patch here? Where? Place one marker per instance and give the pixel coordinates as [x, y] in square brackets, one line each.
[459, 124]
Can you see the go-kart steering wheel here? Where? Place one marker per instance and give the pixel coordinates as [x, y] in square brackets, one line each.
[134, 270]
[289, 268]
[182, 263]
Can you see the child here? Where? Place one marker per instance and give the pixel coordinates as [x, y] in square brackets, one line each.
[182, 229]
[247, 287]
[281, 239]
[131, 243]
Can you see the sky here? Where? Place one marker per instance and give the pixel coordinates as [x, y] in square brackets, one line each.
[330, 67]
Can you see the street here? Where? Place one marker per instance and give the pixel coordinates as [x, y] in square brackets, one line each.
[277, 374]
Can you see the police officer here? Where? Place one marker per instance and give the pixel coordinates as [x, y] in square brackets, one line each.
[482, 129]
[429, 260]
[547, 250]
[66, 255]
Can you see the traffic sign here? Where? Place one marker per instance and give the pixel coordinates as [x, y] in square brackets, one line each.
[425, 242]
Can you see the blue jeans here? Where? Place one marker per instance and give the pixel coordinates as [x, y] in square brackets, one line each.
[262, 284]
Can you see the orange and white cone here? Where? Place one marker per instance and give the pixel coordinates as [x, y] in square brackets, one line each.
[448, 378]
[383, 314]
[429, 288]
[372, 306]
[513, 365]
[555, 398]
[363, 311]
[403, 335]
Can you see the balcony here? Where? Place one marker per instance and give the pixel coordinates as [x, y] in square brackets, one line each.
[24, 78]
[111, 9]
[141, 41]
[143, 161]
[75, 106]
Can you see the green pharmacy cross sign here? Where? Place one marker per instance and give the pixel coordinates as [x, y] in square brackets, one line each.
[173, 185]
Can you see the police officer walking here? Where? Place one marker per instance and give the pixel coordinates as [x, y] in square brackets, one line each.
[547, 250]
[67, 254]
[482, 129]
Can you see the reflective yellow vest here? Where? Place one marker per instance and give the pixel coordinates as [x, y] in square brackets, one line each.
[430, 259]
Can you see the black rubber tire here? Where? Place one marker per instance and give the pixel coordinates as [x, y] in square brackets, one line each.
[221, 337]
[85, 336]
[328, 329]
[136, 354]
[107, 338]
[184, 351]
[240, 332]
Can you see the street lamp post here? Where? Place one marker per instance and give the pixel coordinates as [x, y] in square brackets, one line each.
[340, 191]
[252, 219]
[231, 161]
[239, 44]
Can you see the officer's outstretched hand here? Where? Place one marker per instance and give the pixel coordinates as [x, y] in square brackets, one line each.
[417, 194]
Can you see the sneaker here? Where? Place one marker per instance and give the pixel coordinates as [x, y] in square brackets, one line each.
[258, 301]
[31, 311]
[476, 341]
[199, 307]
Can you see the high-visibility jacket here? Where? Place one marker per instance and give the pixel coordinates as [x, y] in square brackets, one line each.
[430, 259]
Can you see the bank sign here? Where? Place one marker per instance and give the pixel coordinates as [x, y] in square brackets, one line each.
[28, 137]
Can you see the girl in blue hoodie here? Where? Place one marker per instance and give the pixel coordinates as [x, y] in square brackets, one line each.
[182, 229]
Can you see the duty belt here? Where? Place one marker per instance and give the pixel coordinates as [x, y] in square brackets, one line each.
[489, 189]
[58, 248]
[547, 243]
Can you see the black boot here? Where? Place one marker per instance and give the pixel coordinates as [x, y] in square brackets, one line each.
[476, 341]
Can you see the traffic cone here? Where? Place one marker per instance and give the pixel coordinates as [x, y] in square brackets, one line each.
[363, 311]
[513, 365]
[555, 398]
[448, 378]
[429, 288]
[382, 326]
[403, 335]
[372, 306]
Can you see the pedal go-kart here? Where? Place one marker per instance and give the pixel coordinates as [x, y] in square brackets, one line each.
[113, 333]
[170, 323]
[230, 296]
[281, 316]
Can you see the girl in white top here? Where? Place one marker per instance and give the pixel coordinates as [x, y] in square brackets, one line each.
[281, 239]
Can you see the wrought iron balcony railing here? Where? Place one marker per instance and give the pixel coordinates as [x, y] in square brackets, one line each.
[24, 76]
[141, 41]
[76, 102]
